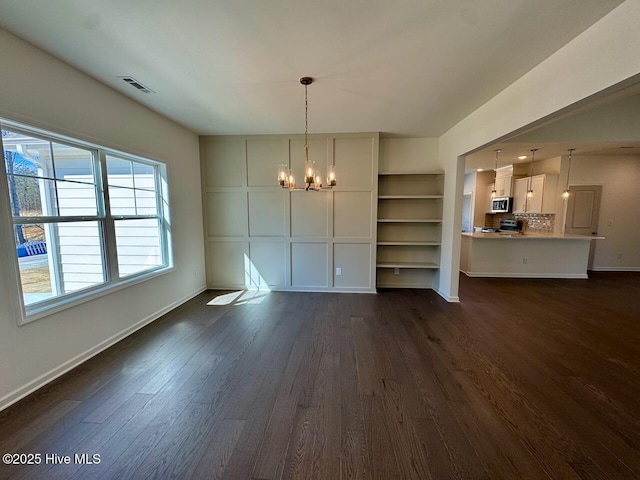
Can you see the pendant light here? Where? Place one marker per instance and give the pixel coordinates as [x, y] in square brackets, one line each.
[312, 177]
[533, 159]
[566, 194]
[494, 192]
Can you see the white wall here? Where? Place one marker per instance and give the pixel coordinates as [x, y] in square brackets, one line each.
[602, 56]
[259, 235]
[409, 154]
[619, 221]
[470, 182]
[39, 90]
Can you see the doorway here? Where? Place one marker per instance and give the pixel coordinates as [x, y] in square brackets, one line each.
[583, 209]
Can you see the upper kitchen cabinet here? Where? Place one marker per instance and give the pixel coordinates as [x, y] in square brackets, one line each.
[505, 176]
[503, 186]
[544, 194]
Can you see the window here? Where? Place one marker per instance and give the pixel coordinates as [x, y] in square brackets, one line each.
[85, 219]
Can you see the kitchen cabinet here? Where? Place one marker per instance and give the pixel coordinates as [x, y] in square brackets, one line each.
[409, 228]
[544, 194]
[503, 186]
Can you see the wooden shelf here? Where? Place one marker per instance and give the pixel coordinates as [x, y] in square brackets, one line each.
[417, 244]
[408, 220]
[425, 265]
[409, 208]
[400, 197]
[410, 173]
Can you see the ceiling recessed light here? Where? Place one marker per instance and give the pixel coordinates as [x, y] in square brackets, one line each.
[522, 157]
[480, 170]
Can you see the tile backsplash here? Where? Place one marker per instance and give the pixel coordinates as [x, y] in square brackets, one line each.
[539, 222]
[542, 223]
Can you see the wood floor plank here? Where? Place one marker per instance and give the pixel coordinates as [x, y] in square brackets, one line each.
[354, 456]
[299, 462]
[524, 379]
[214, 462]
[351, 415]
[382, 460]
[273, 450]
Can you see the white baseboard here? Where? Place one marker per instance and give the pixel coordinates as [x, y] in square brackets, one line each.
[526, 275]
[448, 298]
[616, 269]
[295, 289]
[42, 380]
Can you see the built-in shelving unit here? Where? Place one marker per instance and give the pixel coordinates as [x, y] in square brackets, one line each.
[409, 228]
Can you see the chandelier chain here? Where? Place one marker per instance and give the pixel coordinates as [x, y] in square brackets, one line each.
[306, 124]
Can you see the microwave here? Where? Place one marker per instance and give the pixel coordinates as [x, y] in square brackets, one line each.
[502, 205]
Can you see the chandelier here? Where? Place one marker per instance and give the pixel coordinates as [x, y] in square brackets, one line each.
[312, 177]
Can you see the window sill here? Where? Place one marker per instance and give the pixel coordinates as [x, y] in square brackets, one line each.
[63, 303]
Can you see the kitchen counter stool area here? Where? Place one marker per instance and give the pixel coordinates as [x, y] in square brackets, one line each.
[525, 255]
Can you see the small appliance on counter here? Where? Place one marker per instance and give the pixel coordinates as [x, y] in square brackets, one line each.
[502, 205]
[508, 225]
[512, 225]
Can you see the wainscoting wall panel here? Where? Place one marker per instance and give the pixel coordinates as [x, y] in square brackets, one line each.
[227, 214]
[226, 170]
[259, 235]
[267, 214]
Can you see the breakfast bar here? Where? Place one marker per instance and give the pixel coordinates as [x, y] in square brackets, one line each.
[517, 255]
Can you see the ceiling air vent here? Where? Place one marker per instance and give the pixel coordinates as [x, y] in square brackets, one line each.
[136, 84]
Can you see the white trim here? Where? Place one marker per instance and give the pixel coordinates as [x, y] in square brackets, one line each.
[295, 289]
[21, 392]
[67, 301]
[525, 275]
[615, 269]
[448, 298]
[413, 286]
[104, 218]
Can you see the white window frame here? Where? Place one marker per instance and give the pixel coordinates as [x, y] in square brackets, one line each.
[104, 217]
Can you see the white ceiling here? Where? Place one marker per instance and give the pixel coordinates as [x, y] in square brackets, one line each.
[404, 67]
[604, 127]
[486, 158]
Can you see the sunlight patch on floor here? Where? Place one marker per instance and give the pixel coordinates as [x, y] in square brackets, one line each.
[256, 289]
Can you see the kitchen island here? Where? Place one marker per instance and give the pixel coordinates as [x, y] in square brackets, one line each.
[529, 255]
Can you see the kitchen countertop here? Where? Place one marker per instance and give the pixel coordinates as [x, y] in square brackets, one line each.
[529, 236]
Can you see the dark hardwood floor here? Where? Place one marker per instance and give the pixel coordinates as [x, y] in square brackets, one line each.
[529, 379]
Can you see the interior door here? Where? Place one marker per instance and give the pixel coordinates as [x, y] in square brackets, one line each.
[583, 209]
